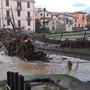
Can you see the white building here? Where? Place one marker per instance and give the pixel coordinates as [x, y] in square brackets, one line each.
[61, 22]
[43, 16]
[23, 11]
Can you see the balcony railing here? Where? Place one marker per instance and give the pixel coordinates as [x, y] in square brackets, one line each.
[29, 18]
[20, 27]
[18, 8]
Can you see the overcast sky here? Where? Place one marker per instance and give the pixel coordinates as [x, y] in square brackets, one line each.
[63, 5]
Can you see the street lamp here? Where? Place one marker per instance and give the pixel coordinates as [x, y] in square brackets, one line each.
[44, 10]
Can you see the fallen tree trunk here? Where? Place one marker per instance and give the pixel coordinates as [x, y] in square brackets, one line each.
[21, 46]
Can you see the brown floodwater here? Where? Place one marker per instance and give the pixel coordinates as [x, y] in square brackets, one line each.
[57, 65]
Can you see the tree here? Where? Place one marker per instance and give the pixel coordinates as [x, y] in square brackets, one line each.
[88, 21]
[38, 25]
[39, 28]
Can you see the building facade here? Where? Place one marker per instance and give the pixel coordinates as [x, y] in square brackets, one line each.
[43, 16]
[61, 22]
[23, 12]
[80, 19]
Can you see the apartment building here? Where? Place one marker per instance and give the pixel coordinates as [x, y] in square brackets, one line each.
[23, 12]
[43, 16]
[55, 21]
[61, 22]
[80, 19]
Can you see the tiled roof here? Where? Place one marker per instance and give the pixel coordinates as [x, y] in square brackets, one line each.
[54, 13]
[79, 12]
[25, 0]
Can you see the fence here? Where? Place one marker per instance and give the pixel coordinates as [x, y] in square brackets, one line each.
[16, 82]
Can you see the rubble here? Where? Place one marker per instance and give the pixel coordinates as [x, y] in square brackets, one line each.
[20, 45]
[77, 43]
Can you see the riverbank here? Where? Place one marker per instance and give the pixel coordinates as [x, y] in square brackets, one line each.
[83, 53]
[52, 82]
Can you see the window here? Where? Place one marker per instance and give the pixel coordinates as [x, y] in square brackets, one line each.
[19, 23]
[28, 28]
[41, 14]
[8, 22]
[7, 2]
[7, 13]
[83, 17]
[53, 28]
[18, 3]
[75, 25]
[28, 4]
[75, 20]
[28, 14]
[18, 13]
[46, 23]
[8, 17]
[19, 6]
[79, 25]
[56, 21]
[28, 23]
[53, 23]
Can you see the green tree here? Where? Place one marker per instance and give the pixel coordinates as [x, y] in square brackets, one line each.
[88, 21]
[39, 28]
[37, 25]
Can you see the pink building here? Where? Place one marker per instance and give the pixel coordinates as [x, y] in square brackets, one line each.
[23, 11]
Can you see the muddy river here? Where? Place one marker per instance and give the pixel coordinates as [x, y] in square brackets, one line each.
[57, 65]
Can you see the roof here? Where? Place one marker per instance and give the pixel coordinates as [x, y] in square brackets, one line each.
[54, 13]
[79, 12]
[25, 0]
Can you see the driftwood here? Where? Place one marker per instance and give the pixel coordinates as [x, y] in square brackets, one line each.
[21, 46]
[78, 43]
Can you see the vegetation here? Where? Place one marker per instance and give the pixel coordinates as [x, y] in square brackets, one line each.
[39, 29]
[88, 21]
[66, 34]
[2, 85]
[37, 25]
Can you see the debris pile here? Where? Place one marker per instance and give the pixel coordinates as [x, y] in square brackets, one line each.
[78, 43]
[20, 45]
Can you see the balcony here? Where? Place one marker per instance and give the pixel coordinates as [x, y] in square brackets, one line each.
[19, 27]
[29, 18]
[18, 8]
[8, 17]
